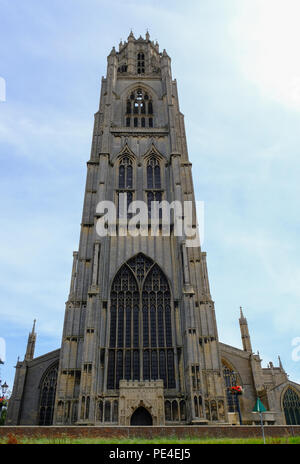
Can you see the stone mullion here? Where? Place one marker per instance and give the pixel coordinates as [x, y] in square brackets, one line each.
[122, 347]
[131, 341]
[124, 335]
[149, 335]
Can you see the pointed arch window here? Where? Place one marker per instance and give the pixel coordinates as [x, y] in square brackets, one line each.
[231, 380]
[168, 414]
[125, 184]
[47, 396]
[153, 173]
[182, 410]
[141, 288]
[154, 192]
[107, 410]
[125, 173]
[291, 407]
[139, 109]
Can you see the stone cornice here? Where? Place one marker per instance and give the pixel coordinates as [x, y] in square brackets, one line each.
[139, 131]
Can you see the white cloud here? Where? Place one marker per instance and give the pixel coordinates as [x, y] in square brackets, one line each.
[267, 39]
[42, 136]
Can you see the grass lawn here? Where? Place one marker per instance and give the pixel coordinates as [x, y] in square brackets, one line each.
[12, 439]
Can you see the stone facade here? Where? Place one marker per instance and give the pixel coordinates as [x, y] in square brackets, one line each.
[136, 394]
[140, 337]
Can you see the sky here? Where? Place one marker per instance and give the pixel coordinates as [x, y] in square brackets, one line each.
[238, 72]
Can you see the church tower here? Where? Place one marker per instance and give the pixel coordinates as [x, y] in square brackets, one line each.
[140, 342]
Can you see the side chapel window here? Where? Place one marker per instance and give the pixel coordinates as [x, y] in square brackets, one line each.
[47, 396]
[231, 380]
[291, 406]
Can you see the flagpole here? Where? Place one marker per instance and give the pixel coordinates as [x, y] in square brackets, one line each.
[262, 427]
[259, 407]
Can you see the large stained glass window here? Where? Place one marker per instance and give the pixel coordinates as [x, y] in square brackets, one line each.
[47, 396]
[291, 406]
[141, 342]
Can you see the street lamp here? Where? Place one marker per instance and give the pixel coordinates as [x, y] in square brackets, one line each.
[4, 388]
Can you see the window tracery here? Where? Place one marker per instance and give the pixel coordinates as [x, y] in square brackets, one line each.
[154, 192]
[231, 380]
[125, 183]
[140, 325]
[291, 406]
[175, 410]
[47, 396]
[139, 109]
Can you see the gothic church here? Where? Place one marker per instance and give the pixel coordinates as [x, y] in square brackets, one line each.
[140, 342]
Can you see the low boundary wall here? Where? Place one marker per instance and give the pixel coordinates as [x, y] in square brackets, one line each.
[149, 432]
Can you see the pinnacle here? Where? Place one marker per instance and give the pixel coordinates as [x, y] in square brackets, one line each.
[241, 312]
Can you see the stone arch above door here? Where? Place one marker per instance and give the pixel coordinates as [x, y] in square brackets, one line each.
[136, 394]
[141, 416]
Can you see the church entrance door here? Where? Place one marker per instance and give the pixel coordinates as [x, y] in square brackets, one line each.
[141, 417]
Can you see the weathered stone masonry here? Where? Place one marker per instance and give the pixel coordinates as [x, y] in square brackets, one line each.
[140, 341]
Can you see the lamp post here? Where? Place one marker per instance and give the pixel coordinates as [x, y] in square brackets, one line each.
[4, 388]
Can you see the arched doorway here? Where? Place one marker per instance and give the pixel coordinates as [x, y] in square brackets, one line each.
[141, 417]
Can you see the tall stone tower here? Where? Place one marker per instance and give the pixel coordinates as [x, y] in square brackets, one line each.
[140, 342]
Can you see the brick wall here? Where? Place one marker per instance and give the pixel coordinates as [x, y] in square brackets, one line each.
[149, 432]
